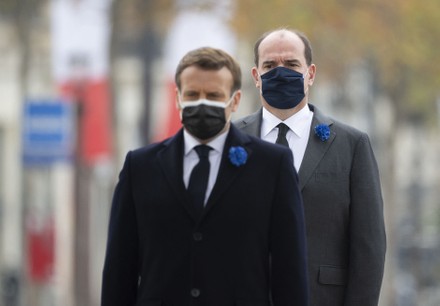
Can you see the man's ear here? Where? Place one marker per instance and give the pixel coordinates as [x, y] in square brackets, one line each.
[236, 101]
[256, 77]
[177, 98]
[312, 74]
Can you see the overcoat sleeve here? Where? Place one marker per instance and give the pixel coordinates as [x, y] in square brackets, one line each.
[367, 229]
[288, 240]
[120, 275]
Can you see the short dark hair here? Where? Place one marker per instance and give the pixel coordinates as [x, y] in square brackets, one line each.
[301, 35]
[208, 58]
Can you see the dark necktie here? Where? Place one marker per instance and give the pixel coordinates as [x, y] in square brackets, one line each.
[198, 180]
[282, 132]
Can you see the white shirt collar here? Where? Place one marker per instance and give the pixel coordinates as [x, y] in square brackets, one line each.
[217, 143]
[298, 122]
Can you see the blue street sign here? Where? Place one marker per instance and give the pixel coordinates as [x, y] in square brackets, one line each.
[48, 132]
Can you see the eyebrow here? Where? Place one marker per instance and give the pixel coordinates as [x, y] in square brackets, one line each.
[189, 92]
[216, 94]
[288, 61]
[268, 62]
[292, 61]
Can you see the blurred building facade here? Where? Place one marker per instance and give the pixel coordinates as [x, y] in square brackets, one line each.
[11, 255]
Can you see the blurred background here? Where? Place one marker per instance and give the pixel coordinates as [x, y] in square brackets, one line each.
[84, 81]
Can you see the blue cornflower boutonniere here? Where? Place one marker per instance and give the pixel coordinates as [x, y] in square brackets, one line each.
[237, 156]
[322, 131]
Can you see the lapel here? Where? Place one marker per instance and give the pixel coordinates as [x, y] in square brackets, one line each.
[252, 123]
[227, 171]
[316, 148]
[171, 161]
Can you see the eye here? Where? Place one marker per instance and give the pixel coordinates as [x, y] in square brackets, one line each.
[267, 66]
[215, 96]
[191, 95]
[292, 65]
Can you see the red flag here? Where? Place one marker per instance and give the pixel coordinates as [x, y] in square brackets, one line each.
[94, 132]
[41, 249]
[170, 122]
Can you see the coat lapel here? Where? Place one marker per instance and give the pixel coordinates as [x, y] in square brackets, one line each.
[227, 171]
[171, 161]
[316, 148]
[252, 124]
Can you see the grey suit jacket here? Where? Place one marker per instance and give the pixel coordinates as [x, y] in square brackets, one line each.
[339, 181]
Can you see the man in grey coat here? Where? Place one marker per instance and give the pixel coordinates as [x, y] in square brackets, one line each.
[338, 174]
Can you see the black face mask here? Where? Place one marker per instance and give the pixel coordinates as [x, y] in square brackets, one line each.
[204, 119]
[283, 88]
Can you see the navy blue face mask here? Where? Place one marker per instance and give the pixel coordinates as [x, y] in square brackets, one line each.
[282, 87]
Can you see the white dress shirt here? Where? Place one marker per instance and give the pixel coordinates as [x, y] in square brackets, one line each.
[298, 135]
[190, 158]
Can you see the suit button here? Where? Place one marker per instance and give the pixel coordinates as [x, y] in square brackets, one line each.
[197, 236]
[195, 292]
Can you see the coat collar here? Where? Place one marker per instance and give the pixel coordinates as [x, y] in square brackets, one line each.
[252, 123]
[171, 161]
[315, 149]
[227, 171]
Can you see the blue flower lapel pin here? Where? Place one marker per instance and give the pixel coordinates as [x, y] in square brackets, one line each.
[322, 131]
[237, 156]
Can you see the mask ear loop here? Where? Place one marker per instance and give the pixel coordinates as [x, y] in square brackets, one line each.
[261, 83]
[304, 77]
[228, 104]
[180, 105]
[230, 99]
[179, 98]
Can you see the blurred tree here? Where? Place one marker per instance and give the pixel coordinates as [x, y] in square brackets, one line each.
[137, 26]
[130, 18]
[399, 38]
[24, 16]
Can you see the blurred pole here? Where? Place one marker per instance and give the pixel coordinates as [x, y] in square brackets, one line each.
[438, 111]
[82, 181]
[63, 198]
[13, 234]
[391, 212]
[415, 248]
[149, 47]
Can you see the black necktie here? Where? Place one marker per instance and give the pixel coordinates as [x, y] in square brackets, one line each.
[282, 132]
[198, 180]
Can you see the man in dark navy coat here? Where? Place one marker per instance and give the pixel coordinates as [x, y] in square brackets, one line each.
[241, 241]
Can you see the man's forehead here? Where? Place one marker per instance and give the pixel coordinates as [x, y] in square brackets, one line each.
[282, 35]
[286, 46]
[281, 57]
[193, 70]
[282, 40]
[193, 88]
